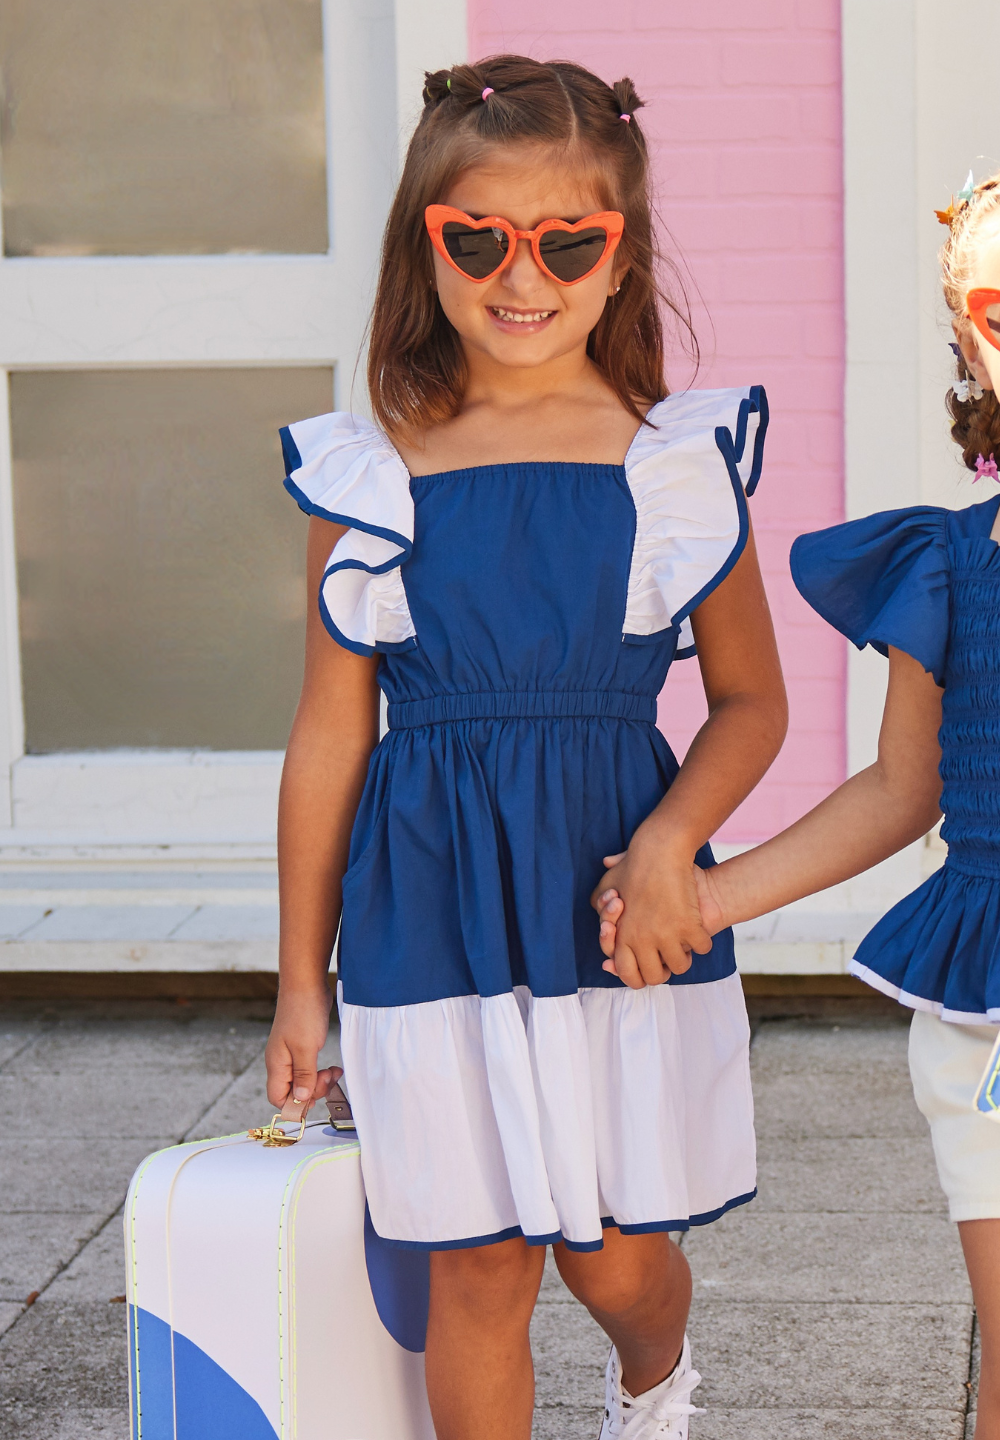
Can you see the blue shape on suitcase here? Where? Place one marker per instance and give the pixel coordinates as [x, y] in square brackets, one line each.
[153, 1386]
[210, 1403]
[401, 1288]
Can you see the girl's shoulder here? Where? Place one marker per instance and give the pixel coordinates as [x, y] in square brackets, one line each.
[885, 579]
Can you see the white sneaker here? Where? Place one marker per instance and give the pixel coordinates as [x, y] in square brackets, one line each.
[658, 1414]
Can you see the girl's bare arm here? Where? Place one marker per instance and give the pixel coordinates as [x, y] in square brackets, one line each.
[868, 818]
[333, 735]
[746, 724]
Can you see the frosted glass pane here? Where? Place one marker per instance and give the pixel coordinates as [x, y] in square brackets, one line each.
[160, 563]
[139, 127]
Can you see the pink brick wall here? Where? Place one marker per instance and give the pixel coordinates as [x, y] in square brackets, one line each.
[744, 119]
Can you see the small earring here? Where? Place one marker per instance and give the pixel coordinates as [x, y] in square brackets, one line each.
[616, 289]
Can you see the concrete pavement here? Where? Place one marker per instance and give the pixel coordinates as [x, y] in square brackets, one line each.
[836, 1304]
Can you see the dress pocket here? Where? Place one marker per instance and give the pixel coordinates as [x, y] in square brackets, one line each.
[372, 818]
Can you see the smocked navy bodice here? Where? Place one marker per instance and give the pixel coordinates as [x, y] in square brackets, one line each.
[927, 581]
[970, 730]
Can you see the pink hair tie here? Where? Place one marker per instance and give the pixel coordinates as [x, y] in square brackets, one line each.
[488, 91]
[626, 118]
[985, 469]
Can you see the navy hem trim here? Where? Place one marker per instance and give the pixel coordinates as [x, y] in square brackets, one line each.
[556, 1238]
[655, 1226]
[511, 1233]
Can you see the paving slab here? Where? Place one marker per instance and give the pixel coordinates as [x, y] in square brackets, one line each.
[136, 1103]
[797, 1047]
[16, 1034]
[65, 1375]
[869, 1103]
[570, 1352]
[177, 1043]
[756, 1256]
[891, 1175]
[798, 1424]
[70, 1174]
[831, 1356]
[97, 1273]
[35, 1247]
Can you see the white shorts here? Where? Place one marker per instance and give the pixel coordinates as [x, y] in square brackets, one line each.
[946, 1064]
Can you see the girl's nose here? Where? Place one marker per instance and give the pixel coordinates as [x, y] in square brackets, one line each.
[522, 275]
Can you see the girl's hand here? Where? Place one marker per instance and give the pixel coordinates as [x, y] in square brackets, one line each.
[298, 1034]
[610, 907]
[659, 924]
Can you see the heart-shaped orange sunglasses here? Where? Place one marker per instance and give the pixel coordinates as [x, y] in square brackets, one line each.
[481, 249]
[984, 312]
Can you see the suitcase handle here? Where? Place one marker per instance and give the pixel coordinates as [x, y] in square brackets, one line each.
[339, 1107]
[272, 1137]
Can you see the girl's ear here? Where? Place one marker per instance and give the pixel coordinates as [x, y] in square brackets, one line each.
[965, 336]
[617, 277]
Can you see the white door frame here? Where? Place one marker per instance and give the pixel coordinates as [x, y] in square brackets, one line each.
[200, 311]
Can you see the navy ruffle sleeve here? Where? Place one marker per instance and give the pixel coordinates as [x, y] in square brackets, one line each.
[882, 580]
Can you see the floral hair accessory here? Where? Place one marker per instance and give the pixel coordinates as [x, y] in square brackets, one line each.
[985, 469]
[966, 390]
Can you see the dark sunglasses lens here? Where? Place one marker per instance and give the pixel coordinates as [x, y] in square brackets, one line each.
[571, 255]
[477, 253]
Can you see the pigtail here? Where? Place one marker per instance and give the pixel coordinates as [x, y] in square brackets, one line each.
[437, 85]
[975, 415]
[627, 97]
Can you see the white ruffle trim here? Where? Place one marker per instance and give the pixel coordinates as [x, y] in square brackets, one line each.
[348, 472]
[687, 485]
[546, 1115]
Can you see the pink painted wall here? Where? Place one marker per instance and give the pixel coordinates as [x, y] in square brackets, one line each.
[744, 120]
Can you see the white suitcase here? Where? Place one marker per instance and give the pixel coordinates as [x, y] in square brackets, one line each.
[262, 1306]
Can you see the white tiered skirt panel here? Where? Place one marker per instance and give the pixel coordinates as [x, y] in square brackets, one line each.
[484, 1118]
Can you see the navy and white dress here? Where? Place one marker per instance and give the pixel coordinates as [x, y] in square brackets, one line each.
[526, 616]
[927, 581]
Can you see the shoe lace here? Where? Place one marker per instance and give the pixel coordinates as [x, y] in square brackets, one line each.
[632, 1420]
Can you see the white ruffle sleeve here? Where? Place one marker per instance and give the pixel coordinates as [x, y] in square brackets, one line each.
[690, 471]
[341, 467]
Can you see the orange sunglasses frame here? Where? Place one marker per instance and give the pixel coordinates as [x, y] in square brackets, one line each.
[437, 216]
[977, 302]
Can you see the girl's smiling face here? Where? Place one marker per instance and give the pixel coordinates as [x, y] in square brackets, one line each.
[521, 317]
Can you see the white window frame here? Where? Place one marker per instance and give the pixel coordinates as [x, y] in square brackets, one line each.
[195, 312]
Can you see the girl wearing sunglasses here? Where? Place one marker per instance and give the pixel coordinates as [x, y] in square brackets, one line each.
[923, 586]
[515, 552]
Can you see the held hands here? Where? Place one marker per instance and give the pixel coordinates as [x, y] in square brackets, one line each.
[609, 902]
[651, 919]
[298, 1034]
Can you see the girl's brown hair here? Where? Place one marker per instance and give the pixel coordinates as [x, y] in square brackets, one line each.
[416, 367]
[975, 422]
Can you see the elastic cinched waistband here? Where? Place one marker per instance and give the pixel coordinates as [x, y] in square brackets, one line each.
[522, 705]
[978, 864]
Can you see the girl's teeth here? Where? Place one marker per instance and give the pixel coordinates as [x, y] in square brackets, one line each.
[521, 319]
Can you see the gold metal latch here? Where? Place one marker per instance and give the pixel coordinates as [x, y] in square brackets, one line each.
[272, 1138]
